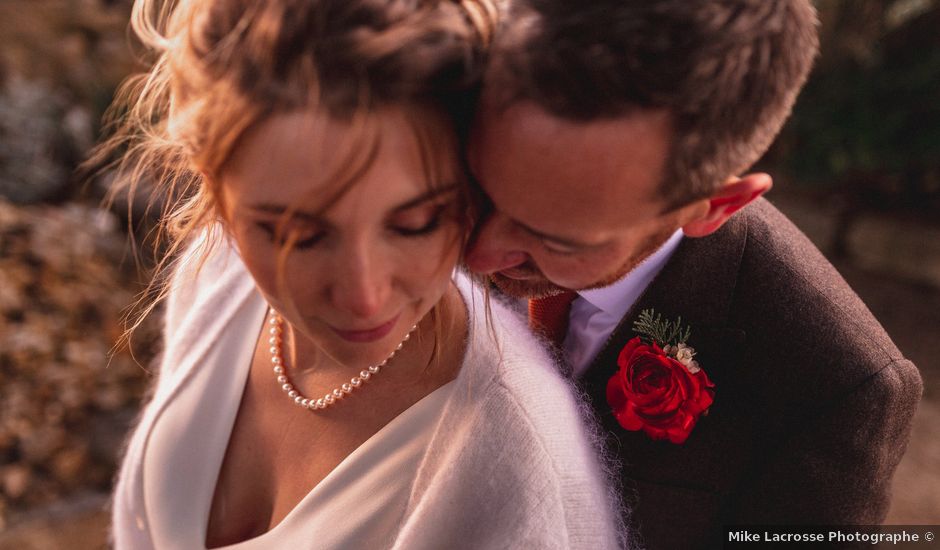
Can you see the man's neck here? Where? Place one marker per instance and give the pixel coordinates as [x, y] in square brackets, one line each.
[597, 312]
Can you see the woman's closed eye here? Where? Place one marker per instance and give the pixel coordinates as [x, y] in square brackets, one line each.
[410, 224]
[419, 223]
[302, 237]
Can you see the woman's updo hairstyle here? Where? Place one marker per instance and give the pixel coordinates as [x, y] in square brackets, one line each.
[221, 66]
[225, 63]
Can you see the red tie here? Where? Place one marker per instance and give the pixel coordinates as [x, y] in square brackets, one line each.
[549, 316]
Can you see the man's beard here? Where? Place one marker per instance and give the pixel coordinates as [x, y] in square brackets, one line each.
[538, 286]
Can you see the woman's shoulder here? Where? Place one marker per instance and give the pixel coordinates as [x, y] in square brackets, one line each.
[207, 270]
[207, 290]
[519, 410]
[205, 259]
[505, 349]
[513, 375]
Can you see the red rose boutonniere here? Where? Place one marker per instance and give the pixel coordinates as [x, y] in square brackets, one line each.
[660, 390]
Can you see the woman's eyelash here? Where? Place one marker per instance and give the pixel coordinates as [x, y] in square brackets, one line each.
[430, 226]
[301, 244]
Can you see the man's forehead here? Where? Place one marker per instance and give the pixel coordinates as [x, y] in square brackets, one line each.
[523, 145]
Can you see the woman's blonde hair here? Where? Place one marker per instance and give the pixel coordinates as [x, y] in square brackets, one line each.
[221, 66]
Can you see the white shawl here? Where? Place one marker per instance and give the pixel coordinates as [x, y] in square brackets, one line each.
[510, 463]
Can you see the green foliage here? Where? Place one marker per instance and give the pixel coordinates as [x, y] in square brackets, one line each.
[868, 121]
[651, 326]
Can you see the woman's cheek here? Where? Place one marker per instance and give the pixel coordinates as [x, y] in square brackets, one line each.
[431, 264]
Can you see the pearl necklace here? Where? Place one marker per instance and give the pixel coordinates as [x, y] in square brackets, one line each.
[276, 329]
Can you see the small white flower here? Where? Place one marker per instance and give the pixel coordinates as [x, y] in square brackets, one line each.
[684, 354]
[669, 350]
[692, 366]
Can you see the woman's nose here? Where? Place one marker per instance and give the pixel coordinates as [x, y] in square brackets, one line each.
[362, 285]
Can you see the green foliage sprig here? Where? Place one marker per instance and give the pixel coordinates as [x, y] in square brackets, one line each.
[651, 326]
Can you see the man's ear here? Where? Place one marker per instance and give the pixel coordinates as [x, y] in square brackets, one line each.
[734, 195]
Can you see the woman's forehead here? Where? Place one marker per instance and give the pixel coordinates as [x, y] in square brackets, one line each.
[302, 157]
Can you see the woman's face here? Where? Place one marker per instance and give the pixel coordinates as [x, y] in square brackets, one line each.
[365, 268]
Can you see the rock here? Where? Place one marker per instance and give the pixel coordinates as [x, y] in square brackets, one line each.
[40, 444]
[15, 480]
[31, 142]
[68, 464]
[67, 396]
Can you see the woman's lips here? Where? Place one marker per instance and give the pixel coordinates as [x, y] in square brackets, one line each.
[369, 335]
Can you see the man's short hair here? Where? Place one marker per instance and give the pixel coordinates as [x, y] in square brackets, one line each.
[728, 71]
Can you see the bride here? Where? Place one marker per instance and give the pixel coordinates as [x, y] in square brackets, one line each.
[329, 380]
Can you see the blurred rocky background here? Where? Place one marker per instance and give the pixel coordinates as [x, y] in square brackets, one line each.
[857, 167]
[67, 394]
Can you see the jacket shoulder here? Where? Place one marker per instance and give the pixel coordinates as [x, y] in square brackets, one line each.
[801, 318]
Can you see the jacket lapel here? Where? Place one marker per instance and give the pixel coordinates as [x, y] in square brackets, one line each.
[698, 285]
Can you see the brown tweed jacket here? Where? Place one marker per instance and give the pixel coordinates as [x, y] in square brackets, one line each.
[813, 402]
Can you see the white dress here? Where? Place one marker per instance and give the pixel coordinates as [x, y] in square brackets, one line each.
[424, 480]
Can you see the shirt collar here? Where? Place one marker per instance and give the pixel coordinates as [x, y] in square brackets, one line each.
[617, 299]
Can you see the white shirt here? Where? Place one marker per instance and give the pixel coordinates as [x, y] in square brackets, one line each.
[596, 313]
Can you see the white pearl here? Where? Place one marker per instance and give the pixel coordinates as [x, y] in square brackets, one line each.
[276, 323]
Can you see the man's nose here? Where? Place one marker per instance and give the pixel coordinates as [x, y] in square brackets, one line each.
[493, 246]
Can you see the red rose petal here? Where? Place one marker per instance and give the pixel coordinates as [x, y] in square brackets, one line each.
[656, 393]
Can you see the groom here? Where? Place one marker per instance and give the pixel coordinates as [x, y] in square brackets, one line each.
[608, 140]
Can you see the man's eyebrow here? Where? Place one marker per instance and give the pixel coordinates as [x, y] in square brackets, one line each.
[280, 209]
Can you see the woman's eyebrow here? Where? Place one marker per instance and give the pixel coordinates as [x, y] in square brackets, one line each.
[426, 196]
[279, 209]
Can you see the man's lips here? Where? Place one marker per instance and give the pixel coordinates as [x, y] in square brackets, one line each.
[368, 335]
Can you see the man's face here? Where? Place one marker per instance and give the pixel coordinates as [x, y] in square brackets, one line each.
[573, 205]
